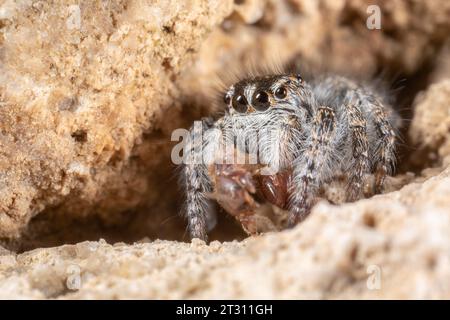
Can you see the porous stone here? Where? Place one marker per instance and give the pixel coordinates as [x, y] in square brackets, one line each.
[82, 85]
[430, 127]
[390, 246]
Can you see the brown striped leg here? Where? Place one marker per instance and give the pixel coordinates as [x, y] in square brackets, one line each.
[360, 164]
[310, 168]
[385, 150]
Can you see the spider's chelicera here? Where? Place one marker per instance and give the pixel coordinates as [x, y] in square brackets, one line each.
[309, 130]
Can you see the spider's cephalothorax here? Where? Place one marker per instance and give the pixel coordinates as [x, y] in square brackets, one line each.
[312, 130]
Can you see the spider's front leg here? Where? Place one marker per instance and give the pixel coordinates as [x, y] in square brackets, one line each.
[199, 151]
[312, 166]
[197, 186]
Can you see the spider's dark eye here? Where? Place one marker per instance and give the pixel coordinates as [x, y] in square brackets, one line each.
[240, 103]
[281, 92]
[227, 99]
[260, 101]
[299, 78]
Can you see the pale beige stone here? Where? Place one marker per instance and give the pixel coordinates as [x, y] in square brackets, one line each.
[431, 123]
[80, 82]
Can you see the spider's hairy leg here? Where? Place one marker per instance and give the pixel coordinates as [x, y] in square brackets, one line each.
[197, 185]
[313, 166]
[201, 145]
[360, 163]
[383, 120]
[380, 123]
[385, 150]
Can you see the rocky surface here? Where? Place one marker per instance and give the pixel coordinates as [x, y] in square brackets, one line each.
[83, 86]
[430, 127]
[391, 246]
[89, 94]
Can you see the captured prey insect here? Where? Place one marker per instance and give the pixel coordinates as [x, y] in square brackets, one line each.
[299, 134]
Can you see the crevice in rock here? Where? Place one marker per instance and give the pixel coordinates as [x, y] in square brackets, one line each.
[406, 88]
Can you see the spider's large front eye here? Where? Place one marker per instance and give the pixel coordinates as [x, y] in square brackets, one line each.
[240, 103]
[281, 92]
[260, 101]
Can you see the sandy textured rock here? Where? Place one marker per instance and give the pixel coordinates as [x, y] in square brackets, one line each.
[442, 62]
[80, 83]
[430, 127]
[339, 252]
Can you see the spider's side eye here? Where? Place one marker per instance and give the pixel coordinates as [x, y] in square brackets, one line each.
[260, 101]
[281, 92]
[240, 103]
[227, 99]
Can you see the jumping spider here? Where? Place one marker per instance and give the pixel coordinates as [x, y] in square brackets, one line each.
[317, 129]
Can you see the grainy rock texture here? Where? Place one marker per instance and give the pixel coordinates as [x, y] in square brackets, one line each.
[430, 127]
[90, 92]
[81, 82]
[390, 246]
